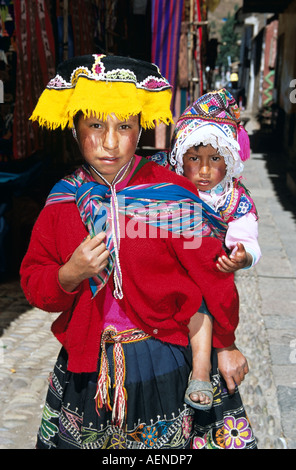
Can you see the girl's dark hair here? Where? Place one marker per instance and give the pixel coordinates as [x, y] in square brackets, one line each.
[77, 117]
[80, 113]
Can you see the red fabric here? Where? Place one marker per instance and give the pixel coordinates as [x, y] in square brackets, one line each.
[35, 66]
[160, 294]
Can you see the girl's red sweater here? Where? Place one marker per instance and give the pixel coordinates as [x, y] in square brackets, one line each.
[163, 281]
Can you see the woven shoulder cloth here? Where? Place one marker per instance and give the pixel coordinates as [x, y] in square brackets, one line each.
[166, 206]
[238, 203]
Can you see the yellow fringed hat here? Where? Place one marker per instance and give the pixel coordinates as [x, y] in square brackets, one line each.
[101, 85]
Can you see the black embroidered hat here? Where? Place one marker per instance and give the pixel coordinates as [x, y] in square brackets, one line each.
[102, 85]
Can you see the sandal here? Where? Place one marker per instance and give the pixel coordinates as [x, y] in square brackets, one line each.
[199, 386]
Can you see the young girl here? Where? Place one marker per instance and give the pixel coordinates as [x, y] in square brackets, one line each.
[120, 378]
[209, 146]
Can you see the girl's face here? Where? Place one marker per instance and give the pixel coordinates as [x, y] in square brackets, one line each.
[108, 144]
[204, 167]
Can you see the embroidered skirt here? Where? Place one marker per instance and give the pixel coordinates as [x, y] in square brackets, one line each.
[154, 383]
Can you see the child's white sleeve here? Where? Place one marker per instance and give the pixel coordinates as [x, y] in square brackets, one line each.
[245, 231]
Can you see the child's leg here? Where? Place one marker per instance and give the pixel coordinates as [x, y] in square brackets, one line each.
[200, 334]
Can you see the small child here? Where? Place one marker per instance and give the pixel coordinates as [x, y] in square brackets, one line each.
[209, 146]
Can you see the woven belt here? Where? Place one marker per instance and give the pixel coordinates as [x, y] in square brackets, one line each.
[102, 396]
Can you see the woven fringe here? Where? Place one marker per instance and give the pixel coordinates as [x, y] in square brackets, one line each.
[56, 108]
[102, 396]
[120, 406]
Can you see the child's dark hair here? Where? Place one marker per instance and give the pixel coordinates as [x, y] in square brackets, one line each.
[80, 113]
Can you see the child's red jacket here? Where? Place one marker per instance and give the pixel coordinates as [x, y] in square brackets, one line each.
[163, 283]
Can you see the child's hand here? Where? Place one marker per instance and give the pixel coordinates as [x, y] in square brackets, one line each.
[89, 258]
[238, 259]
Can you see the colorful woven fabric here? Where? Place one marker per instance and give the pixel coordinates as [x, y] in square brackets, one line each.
[213, 119]
[164, 206]
[156, 419]
[35, 65]
[102, 85]
[237, 204]
[166, 19]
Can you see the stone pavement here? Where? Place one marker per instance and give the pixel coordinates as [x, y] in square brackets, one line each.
[266, 335]
[270, 317]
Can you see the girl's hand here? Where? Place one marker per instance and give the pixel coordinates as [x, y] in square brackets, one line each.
[88, 260]
[238, 259]
[233, 366]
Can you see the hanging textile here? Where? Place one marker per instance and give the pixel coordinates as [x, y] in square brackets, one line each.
[35, 67]
[183, 56]
[65, 45]
[201, 15]
[166, 25]
[75, 28]
[83, 13]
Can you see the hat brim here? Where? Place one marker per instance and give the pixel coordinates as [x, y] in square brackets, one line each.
[57, 108]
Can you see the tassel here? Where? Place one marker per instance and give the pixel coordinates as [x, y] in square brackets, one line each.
[57, 107]
[120, 393]
[119, 406]
[102, 394]
[244, 143]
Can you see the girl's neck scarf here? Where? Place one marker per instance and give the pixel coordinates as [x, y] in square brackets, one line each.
[165, 206]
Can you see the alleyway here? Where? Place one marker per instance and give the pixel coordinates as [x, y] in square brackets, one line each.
[266, 335]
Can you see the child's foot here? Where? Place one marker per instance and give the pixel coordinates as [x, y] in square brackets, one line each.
[200, 397]
[199, 394]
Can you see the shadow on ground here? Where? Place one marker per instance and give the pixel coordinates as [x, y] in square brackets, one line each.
[266, 142]
[12, 302]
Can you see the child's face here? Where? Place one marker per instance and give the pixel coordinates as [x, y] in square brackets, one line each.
[204, 167]
[107, 144]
